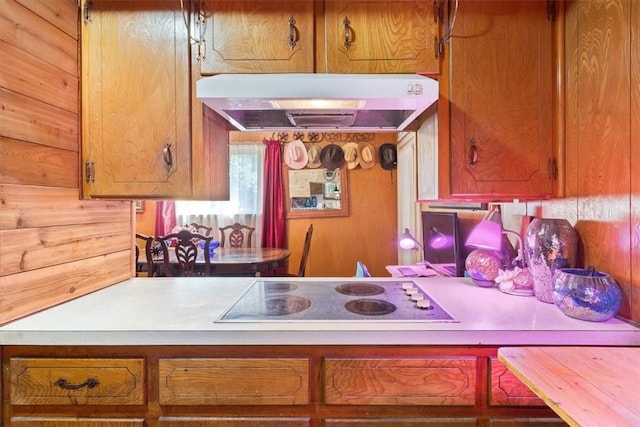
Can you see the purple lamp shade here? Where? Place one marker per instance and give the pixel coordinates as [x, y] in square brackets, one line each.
[485, 235]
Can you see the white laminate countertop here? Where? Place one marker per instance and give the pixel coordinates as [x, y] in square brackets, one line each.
[183, 311]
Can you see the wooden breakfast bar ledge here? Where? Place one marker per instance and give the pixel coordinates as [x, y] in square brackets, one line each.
[586, 386]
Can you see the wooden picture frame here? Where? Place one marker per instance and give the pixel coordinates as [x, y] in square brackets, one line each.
[316, 193]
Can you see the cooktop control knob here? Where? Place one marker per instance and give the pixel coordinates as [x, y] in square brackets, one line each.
[408, 285]
[417, 297]
[424, 303]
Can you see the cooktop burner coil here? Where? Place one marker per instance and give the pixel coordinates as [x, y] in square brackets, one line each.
[370, 307]
[360, 289]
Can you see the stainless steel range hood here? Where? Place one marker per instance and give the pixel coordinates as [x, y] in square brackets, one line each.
[357, 102]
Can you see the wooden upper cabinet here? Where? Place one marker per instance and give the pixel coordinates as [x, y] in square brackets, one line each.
[135, 100]
[496, 132]
[376, 36]
[305, 36]
[258, 37]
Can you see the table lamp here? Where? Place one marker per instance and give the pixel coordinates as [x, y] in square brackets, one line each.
[484, 263]
[407, 241]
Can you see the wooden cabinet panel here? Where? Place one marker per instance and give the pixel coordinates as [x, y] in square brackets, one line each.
[258, 36]
[400, 422]
[501, 106]
[393, 381]
[232, 381]
[43, 381]
[233, 422]
[381, 37]
[506, 389]
[74, 422]
[136, 100]
[526, 422]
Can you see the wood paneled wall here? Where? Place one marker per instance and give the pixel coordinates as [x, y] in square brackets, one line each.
[53, 246]
[602, 138]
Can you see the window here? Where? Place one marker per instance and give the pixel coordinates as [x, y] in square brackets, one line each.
[245, 192]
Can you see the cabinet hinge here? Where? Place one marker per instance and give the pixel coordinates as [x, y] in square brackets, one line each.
[438, 18]
[200, 17]
[438, 11]
[552, 169]
[552, 10]
[90, 171]
[85, 11]
[438, 47]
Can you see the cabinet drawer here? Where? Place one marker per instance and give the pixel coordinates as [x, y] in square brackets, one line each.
[233, 422]
[74, 422]
[430, 381]
[506, 389]
[43, 381]
[234, 381]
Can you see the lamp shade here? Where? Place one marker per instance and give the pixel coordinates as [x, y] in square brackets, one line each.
[485, 235]
[407, 241]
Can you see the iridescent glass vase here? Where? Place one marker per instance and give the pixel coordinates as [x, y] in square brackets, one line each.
[550, 244]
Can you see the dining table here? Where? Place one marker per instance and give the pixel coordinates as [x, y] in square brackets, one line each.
[238, 261]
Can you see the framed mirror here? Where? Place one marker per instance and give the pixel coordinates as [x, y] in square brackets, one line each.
[313, 193]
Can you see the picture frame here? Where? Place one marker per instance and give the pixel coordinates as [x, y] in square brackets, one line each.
[139, 206]
[316, 193]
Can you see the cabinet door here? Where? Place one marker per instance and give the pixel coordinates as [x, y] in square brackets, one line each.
[135, 96]
[258, 37]
[501, 100]
[381, 37]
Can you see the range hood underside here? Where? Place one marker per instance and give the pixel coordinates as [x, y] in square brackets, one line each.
[319, 120]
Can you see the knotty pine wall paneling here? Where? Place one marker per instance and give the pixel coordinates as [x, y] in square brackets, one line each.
[53, 246]
[602, 141]
[634, 297]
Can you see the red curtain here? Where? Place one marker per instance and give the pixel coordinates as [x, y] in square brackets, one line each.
[274, 231]
[165, 217]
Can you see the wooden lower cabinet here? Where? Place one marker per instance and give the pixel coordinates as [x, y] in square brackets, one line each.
[251, 386]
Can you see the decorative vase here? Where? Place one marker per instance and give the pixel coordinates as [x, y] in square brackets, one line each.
[550, 244]
[586, 294]
[483, 267]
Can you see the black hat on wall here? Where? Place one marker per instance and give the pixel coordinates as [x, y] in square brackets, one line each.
[388, 156]
[332, 156]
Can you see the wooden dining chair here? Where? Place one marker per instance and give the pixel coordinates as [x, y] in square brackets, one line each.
[186, 254]
[202, 229]
[303, 258]
[140, 267]
[305, 251]
[239, 235]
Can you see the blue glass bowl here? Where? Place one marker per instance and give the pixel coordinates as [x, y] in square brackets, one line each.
[212, 247]
[586, 294]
